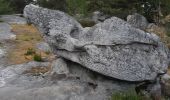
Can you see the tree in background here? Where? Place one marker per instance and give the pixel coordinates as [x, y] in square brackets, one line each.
[119, 8]
[18, 5]
[77, 7]
[5, 7]
[53, 4]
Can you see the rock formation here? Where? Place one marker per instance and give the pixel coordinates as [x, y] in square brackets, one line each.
[113, 48]
[138, 21]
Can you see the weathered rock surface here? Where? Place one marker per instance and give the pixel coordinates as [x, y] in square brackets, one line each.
[138, 21]
[59, 66]
[17, 85]
[98, 17]
[5, 32]
[43, 46]
[13, 19]
[165, 82]
[113, 48]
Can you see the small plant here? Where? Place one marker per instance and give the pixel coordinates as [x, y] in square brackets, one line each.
[30, 51]
[129, 95]
[37, 57]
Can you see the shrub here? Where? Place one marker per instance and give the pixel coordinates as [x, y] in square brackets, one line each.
[18, 5]
[77, 7]
[167, 26]
[5, 7]
[37, 57]
[53, 4]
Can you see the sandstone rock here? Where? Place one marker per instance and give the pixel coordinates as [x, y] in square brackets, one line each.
[113, 48]
[138, 21]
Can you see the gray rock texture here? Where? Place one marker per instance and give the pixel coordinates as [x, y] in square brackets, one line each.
[5, 32]
[43, 46]
[99, 17]
[13, 19]
[113, 48]
[15, 85]
[138, 21]
[59, 66]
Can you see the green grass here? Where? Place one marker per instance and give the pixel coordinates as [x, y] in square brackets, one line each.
[5, 7]
[37, 57]
[129, 95]
[77, 7]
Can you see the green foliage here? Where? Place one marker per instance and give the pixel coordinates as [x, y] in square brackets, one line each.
[30, 51]
[18, 5]
[129, 95]
[77, 7]
[5, 7]
[53, 4]
[165, 4]
[37, 57]
[119, 8]
[167, 26]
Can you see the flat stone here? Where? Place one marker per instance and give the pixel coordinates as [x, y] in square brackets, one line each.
[5, 32]
[13, 19]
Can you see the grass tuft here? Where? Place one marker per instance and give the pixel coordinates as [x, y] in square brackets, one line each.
[30, 51]
[129, 95]
[37, 57]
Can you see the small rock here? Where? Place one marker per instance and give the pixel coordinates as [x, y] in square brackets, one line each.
[165, 82]
[138, 21]
[59, 66]
[43, 46]
[2, 53]
[98, 17]
[166, 77]
[12, 36]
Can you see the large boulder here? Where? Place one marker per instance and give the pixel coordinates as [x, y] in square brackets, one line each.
[113, 48]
